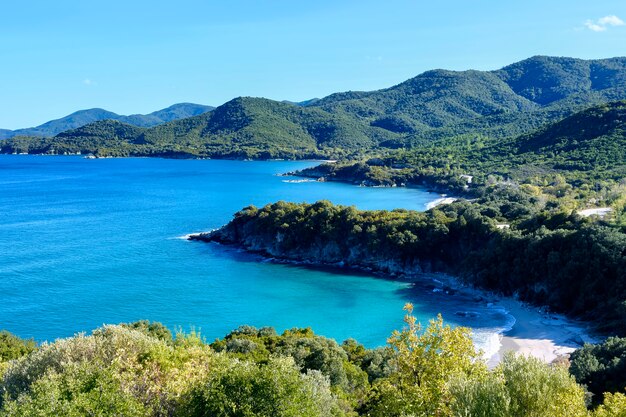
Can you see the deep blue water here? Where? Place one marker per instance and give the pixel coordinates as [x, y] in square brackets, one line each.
[86, 242]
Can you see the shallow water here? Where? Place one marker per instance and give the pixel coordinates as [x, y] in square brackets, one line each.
[86, 242]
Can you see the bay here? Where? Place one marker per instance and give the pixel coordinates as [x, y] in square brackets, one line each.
[87, 242]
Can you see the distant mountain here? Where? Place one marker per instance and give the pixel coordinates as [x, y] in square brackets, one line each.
[302, 103]
[83, 117]
[242, 128]
[433, 106]
[513, 100]
[546, 80]
[431, 100]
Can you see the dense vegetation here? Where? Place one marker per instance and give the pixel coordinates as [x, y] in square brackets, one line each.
[436, 105]
[138, 369]
[83, 117]
[507, 241]
[581, 160]
[602, 367]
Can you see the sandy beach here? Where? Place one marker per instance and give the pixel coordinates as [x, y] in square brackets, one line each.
[539, 334]
[440, 201]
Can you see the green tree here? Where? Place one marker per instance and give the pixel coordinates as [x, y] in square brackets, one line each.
[425, 361]
[519, 387]
[277, 389]
[614, 406]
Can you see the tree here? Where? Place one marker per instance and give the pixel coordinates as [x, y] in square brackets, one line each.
[519, 387]
[424, 363]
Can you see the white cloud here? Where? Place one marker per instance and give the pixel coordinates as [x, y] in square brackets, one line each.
[589, 24]
[88, 81]
[603, 23]
[611, 21]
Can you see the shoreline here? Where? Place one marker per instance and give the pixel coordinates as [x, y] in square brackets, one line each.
[545, 336]
[440, 201]
[534, 332]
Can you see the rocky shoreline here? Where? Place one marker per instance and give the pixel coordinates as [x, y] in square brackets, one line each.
[323, 256]
[535, 332]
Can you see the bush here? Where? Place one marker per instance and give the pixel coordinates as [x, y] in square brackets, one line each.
[277, 389]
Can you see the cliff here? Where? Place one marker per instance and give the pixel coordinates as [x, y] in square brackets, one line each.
[567, 263]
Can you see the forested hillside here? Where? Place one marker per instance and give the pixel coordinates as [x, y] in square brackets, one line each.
[577, 159]
[436, 105]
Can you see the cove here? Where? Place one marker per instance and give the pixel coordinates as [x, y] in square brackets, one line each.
[87, 242]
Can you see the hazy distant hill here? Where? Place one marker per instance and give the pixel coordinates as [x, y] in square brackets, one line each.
[83, 117]
[436, 105]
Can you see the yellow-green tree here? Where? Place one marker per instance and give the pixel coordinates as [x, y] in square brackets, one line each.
[519, 387]
[425, 362]
[614, 406]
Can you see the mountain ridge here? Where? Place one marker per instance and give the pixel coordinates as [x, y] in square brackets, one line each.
[82, 117]
[435, 105]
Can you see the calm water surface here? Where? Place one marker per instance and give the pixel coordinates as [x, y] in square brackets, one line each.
[86, 242]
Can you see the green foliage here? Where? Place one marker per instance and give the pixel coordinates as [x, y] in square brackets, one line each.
[12, 347]
[519, 387]
[154, 329]
[276, 389]
[614, 406]
[602, 367]
[432, 371]
[81, 390]
[424, 363]
[309, 351]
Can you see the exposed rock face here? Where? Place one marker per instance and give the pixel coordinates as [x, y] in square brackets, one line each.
[329, 253]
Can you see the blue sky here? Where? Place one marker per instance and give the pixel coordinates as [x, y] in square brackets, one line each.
[139, 56]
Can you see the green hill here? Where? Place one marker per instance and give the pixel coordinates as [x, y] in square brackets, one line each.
[242, 128]
[586, 149]
[437, 107]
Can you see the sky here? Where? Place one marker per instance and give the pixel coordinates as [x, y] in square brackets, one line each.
[136, 56]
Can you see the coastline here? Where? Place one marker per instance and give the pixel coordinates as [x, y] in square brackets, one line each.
[440, 201]
[545, 336]
[533, 332]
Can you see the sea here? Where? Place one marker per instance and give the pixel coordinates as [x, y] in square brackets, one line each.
[87, 242]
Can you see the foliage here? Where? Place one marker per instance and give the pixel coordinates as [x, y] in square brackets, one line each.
[424, 362]
[431, 371]
[153, 329]
[274, 389]
[545, 256]
[614, 406]
[602, 367]
[519, 387]
[12, 347]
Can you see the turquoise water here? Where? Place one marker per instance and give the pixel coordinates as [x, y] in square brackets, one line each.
[87, 242]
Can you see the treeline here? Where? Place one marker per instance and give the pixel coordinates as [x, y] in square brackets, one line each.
[139, 369]
[547, 257]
